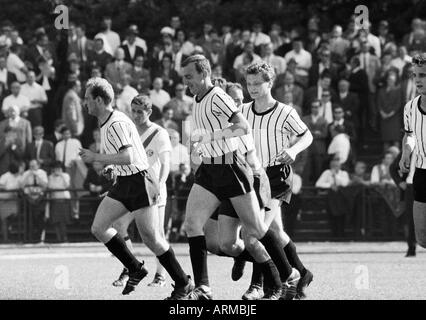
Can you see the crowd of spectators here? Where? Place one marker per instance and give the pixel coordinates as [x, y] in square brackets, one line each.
[349, 84]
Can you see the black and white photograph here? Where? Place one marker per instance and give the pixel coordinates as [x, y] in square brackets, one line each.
[227, 151]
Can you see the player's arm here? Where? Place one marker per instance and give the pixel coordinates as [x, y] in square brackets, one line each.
[123, 157]
[302, 143]
[408, 145]
[165, 166]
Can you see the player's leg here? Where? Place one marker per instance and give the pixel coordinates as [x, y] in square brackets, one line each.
[200, 205]
[419, 217]
[306, 276]
[110, 210]
[147, 222]
[122, 225]
[160, 273]
[211, 232]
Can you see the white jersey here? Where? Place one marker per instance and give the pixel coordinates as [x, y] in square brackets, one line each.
[212, 113]
[415, 123]
[119, 132]
[155, 141]
[272, 130]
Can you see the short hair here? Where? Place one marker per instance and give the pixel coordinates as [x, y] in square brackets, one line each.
[57, 164]
[142, 100]
[219, 82]
[419, 59]
[167, 108]
[266, 70]
[58, 122]
[233, 86]
[201, 63]
[100, 87]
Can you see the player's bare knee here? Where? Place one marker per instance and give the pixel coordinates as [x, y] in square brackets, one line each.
[192, 227]
[227, 248]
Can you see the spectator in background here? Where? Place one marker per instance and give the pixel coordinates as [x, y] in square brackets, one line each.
[16, 98]
[9, 203]
[41, 149]
[389, 103]
[72, 110]
[167, 119]
[181, 105]
[370, 64]
[258, 37]
[278, 63]
[99, 57]
[380, 173]
[334, 179]
[15, 64]
[187, 46]
[317, 152]
[6, 76]
[38, 99]
[111, 38]
[57, 133]
[58, 205]
[11, 150]
[130, 47]
[41, 49]
[169, 76]
[317, 92]
[19, 125]
[245, 58]
[358, 84]
[2, 96]
[285, 83]
[326, 107]
[303, 59]
[408, 85]
[342, 136]
[338, 44]
[67, 150]
[415, 39]
[80, 46]
[96, 145]
[124, 99]
[159, 97]
[141, 77]
[34, 183]
[115, 71]
[180, 153]
[349, 102]
[401, 60]
[324, 63]
[217, 54]
[360, 175]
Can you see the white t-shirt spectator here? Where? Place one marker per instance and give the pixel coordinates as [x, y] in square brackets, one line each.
[111, 41]
[259, 38]
[21, 101]
[278, 63]
[159, 98]
[34, 92]
[67, 151]
[30, 177]
[329, 178]
[180, 154]
[303, 59]
[15, 64]
[9, 181]
[379, 174]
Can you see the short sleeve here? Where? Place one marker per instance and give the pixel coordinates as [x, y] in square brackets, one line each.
[163, 143]
[120, 134]
[223, 106]
[294, 124]
[408, 110]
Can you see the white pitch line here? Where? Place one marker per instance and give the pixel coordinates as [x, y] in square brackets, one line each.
[54, 256]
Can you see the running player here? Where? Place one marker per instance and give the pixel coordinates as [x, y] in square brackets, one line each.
[221, 175]
[135, 190]
[415, 139]
[156, 143]
[273, 123]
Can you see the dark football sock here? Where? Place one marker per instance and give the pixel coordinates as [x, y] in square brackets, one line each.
[271, 275]
[293, 258]
[277, 254]
[169, 262]
[256, 275]
[198, 254]
[118, 248]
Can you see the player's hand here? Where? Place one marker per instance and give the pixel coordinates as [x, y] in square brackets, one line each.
[404, 163]
[403, 185]
[87, 155]
[286, 157]
[108, 173]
